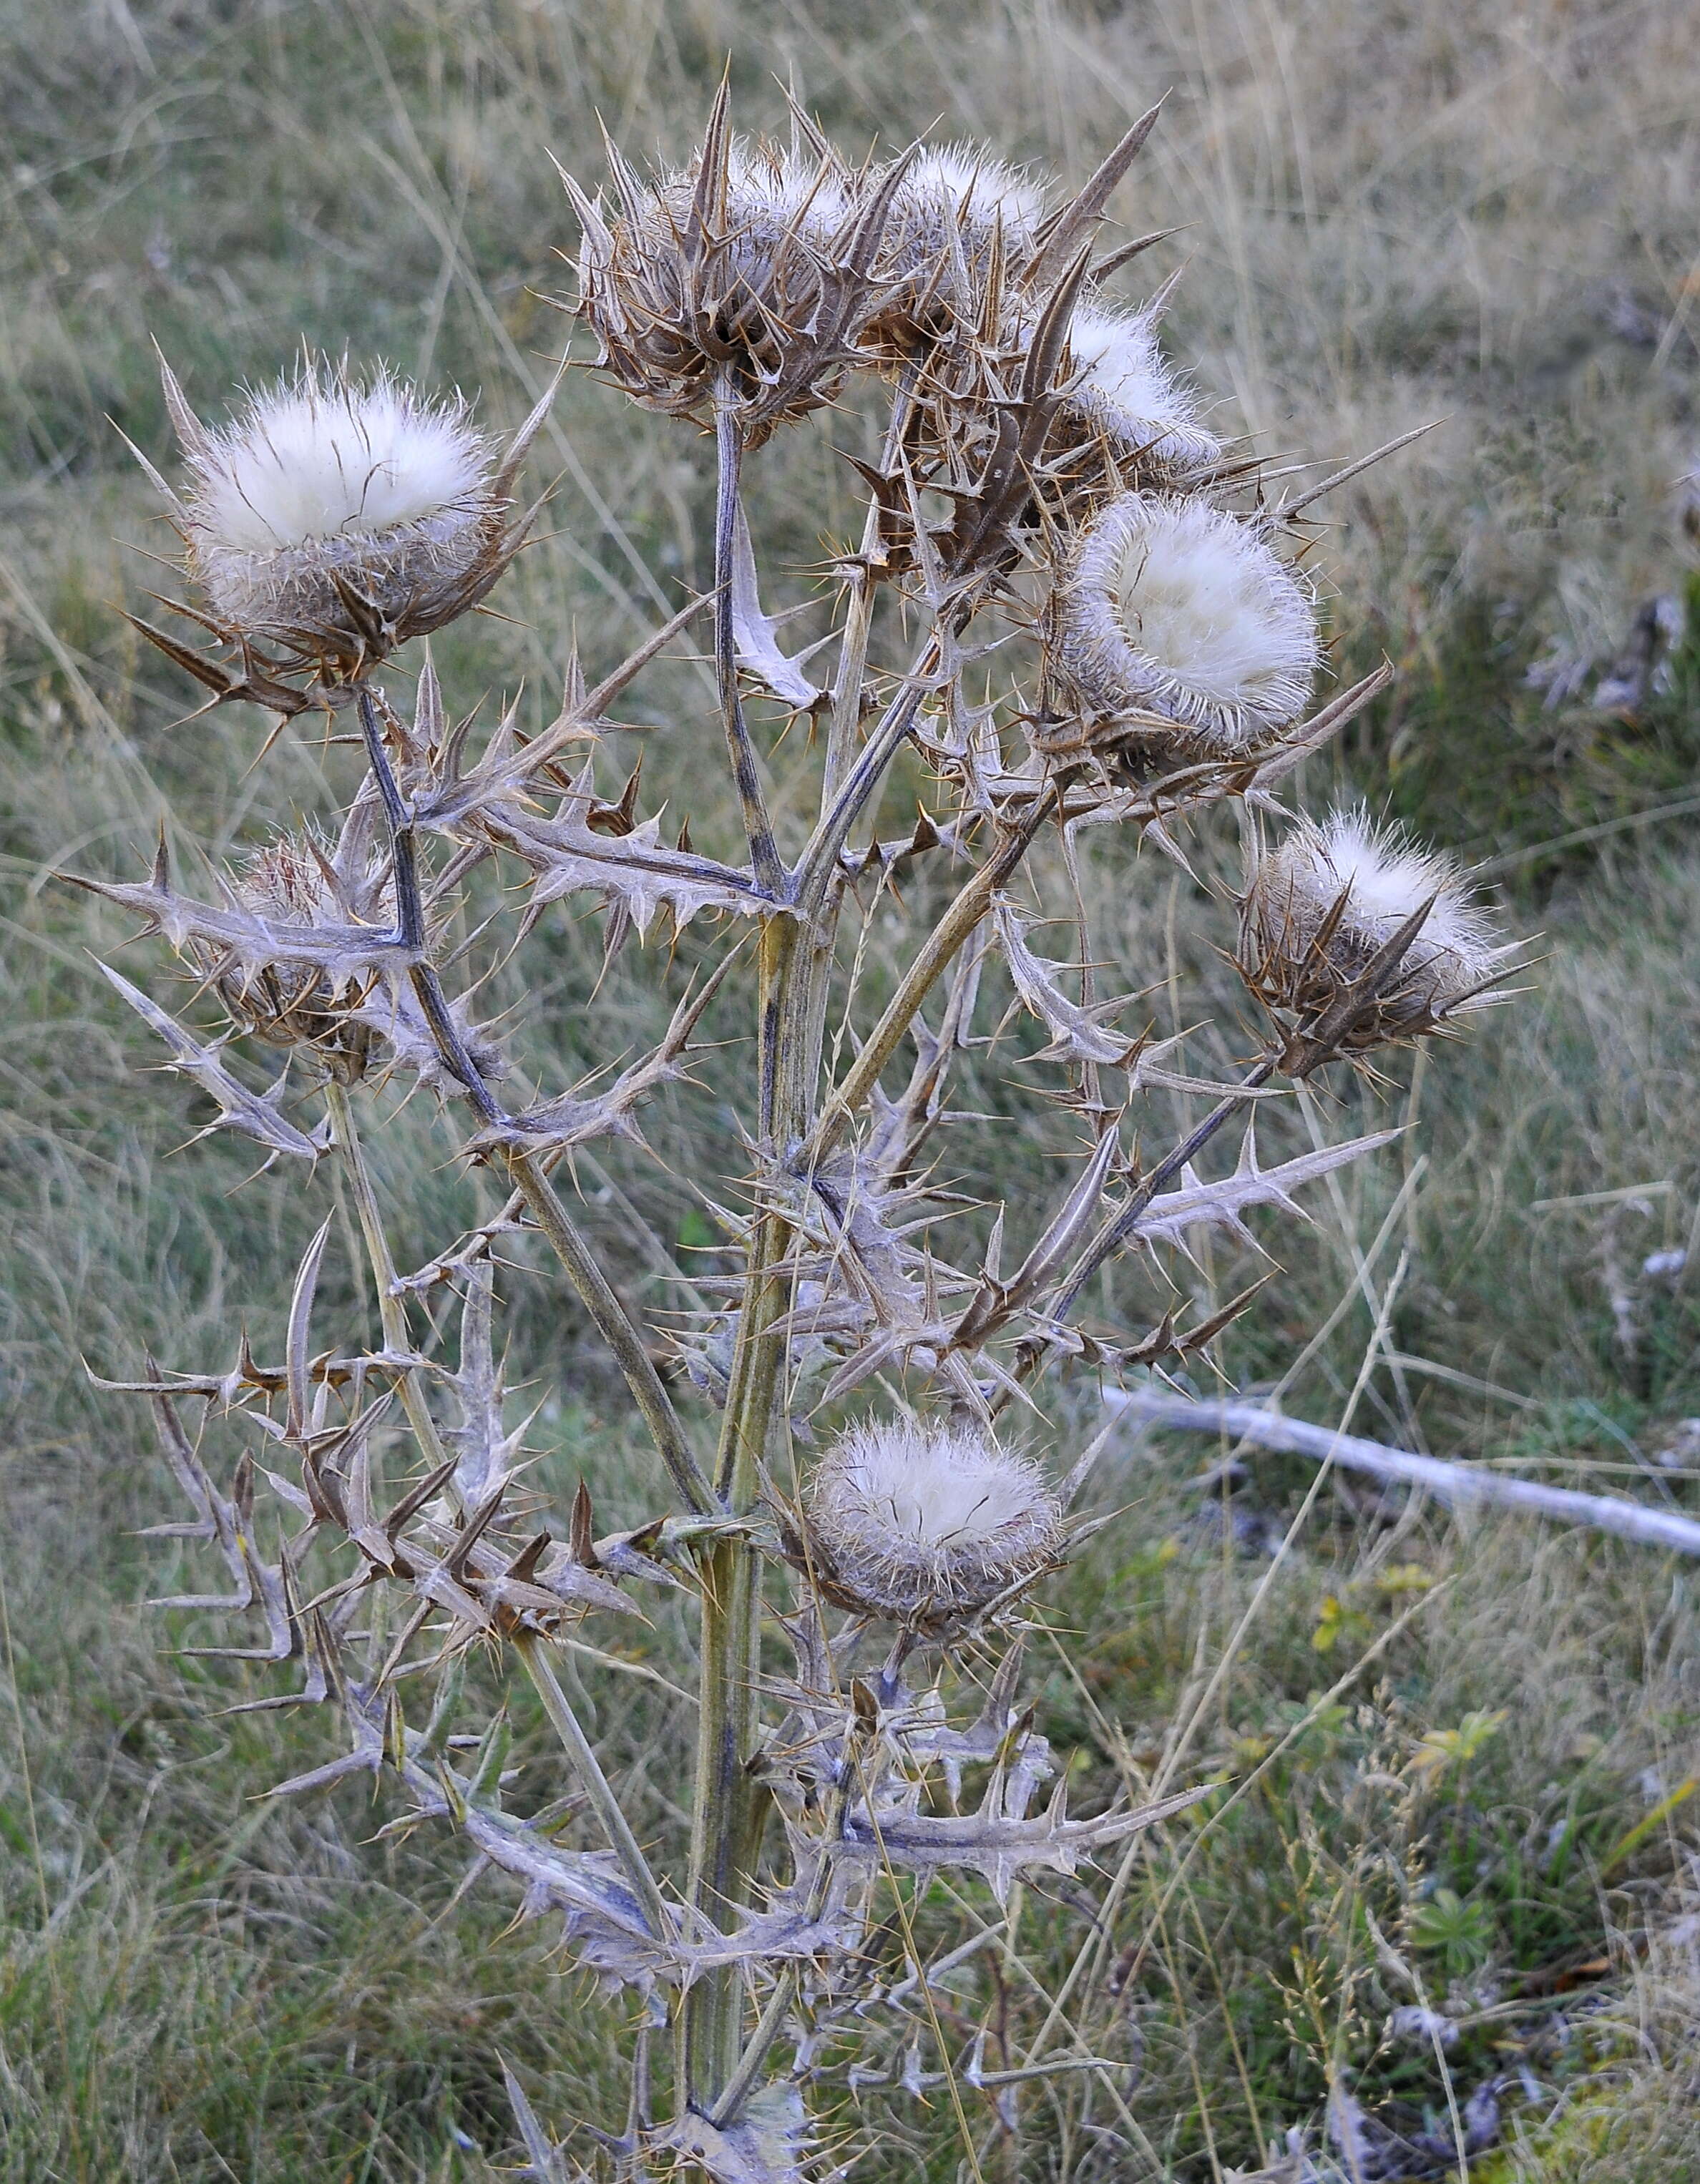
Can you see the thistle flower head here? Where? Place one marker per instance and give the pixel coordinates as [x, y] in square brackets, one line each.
[1175, 608]
[335, 517]
[1125, 392]
[955, 206]
[751, 265]
[928, 1524]
[289, 884]
[1318, 908]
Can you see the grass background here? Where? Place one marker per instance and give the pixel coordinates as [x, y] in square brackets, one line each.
[1393, 213]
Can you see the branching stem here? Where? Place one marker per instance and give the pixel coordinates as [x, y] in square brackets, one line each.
[764, 855]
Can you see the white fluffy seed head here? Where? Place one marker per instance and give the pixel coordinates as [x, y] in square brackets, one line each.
[927, 1523]
[1172, 607]
[323, 481]
[1125, 390]
[773, 189]
[954, 202]
[1379, 878]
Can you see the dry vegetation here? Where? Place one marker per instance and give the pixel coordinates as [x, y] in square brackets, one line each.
[1472, 1743]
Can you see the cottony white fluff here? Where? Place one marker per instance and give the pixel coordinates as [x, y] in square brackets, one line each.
[963, 183]
[1126, 391]
[320, 478]
[917, 1520]
[322, 457]
[776, 191]
[953, 200]
[1386, 878]
[1174, 607]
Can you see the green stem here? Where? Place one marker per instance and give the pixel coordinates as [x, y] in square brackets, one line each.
[614, 1325]
[595, 1784]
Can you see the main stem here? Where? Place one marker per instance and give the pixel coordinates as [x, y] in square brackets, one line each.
[726, 1819]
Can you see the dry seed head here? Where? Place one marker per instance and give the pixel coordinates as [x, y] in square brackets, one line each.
[1295, 950]
[926, 1523]
[293, 1004]
[1173, 608]
[740, 262]
[336, 517]
[1125, 393]
[955, 207]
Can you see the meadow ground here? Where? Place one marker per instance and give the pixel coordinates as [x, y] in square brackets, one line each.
[1469, 1748]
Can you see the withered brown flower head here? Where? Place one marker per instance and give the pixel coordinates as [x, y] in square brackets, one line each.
[1174, 617]
[747, 275]
[925, 1524]
[1318, 908]
[296, 1001]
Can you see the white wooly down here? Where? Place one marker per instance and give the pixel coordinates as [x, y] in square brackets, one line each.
[956, 197]
[1124, 389]
[321, 476]
[1386, 878]
[914, 1518]
[780, 190]
[1174, 607]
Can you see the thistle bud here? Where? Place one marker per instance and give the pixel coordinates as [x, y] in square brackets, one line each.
[1174, 622]
[333, 519]
[1317, 908]
[293, 1000]
[925, 1524]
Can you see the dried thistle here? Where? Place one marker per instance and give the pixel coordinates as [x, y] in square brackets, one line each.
[333, 519]
[1324, 910]
[925, 1524]
[745, 278]
[1177, 628]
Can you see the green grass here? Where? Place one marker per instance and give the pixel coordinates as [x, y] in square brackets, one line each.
[195, 1985]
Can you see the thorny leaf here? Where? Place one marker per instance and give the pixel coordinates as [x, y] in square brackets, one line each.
[635, 870]
[753, 631]
[570, 1121]
[546, 2162]
[1172, 1213]
[483, 1454]
[1077, 1034]
[770, 2144]
[998, 1847]
[256, 1114]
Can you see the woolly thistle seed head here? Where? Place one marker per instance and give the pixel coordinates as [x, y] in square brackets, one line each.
[1172, 607]
[1317, 907]
[928, 1524]
[1125, 394]
[295, 1000]
[334, 517]
[752, 264]
[955, 207]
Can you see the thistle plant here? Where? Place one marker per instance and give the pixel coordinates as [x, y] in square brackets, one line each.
[852, 1458]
